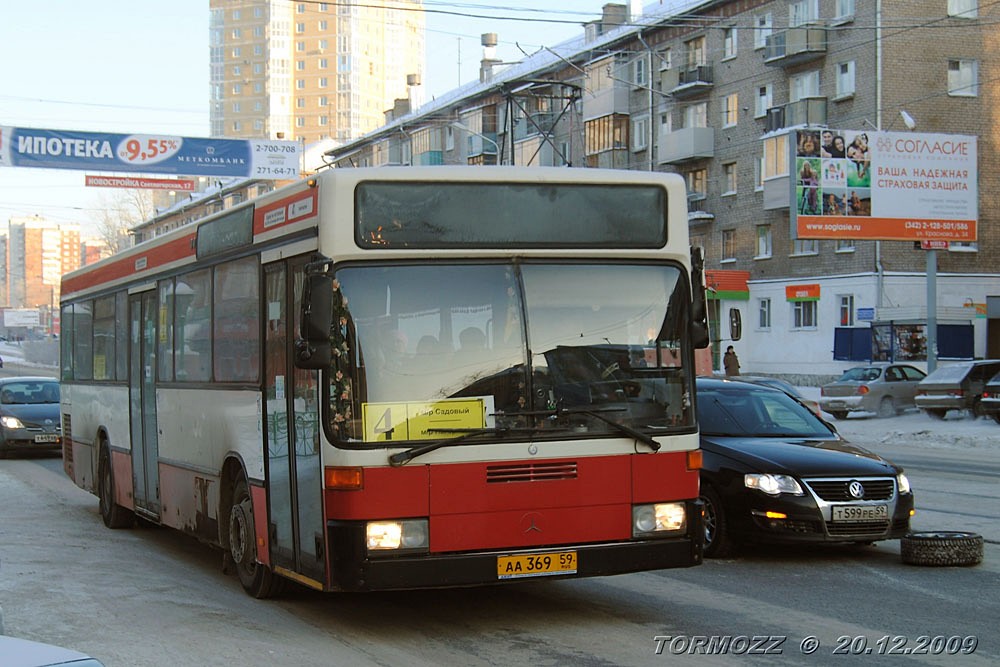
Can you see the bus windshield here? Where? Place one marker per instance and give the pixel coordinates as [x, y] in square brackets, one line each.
[432, 351]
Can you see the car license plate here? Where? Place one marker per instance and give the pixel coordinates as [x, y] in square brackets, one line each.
[848, 513]
[536, 565]
[47, 437]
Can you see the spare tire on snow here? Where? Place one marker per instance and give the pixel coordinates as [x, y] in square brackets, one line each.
[941, 548]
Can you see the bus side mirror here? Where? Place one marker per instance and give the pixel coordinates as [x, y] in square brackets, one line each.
[313, 350]
[735, 324]
[699, 302]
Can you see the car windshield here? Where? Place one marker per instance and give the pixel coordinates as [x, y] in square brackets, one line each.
[745, 410]
[860, 375]
[24, 393]
[435, 350]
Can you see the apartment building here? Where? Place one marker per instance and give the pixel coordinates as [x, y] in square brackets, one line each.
[36, 253]
[716, 94]
[310, 70]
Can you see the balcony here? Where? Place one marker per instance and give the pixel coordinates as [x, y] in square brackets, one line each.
[535, 123]
[693, 81]
[690, 143]
[807, 111]
[795, 46]
[606, 101]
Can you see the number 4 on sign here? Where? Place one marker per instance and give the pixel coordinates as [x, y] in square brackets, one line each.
[384, 424]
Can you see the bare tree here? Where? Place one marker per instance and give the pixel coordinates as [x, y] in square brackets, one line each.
[120, 211]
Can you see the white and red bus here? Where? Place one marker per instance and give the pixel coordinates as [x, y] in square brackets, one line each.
[402, 378]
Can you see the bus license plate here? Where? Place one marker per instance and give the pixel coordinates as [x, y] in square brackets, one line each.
[536, 565]
[848, 513]
[46, 438]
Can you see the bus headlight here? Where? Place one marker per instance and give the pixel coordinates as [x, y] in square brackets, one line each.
[11, 422]
[658, 518]
[397, 536]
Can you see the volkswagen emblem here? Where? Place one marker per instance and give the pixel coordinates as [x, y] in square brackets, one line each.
[856, 489]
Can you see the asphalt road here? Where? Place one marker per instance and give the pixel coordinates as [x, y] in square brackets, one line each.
[154, 597]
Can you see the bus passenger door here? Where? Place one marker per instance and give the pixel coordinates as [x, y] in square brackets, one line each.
[293, 433]
[142, 403]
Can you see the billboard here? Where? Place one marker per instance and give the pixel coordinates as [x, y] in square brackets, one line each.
[148, 153]
[21, 317]
[905, 186]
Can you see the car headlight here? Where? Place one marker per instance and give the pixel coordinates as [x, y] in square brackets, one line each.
[658, 518]
[772, 485]
[11, 422]
[405, 535]
[903, 483]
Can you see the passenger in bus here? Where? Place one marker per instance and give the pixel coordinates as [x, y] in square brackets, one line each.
[472, 339]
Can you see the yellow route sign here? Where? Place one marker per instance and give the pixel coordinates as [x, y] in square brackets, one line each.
[386, 422]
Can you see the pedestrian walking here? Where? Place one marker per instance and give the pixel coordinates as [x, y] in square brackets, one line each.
[730, 362]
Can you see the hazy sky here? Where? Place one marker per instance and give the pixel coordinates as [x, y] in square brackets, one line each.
[141, 66]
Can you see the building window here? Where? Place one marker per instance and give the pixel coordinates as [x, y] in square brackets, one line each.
[804, 85]
[845, 9]
[776, 156]
[804, 315]
[639, 72]
[300, 65]
[963, 78]
[763, 241]
[300, 84]
[763, 101]
[965, 9]
[730, 110]
[764, 313]
[258, 68]
[237, 107]
[963, 246]
[258, 50]
[758, 176]
[666, 123]
[847, 310]
[300, 46]
[845, 245]
[236, 33]
[323, 101]
[237, 71]
[695, 52]
[728, 244]
[237, 89]
[300, 27]
[300, 122]
[323, 26]
[640, 133]
[300, 103]
[696, 115]
[697, 184]
[237, 52]
[322, 82]
[258, 31]
[802, 12]
[665, 56]
[300, 8]
[729, 42]
[762, 30]
[805, 247]
[323, 63]
[323, 44]
[606, 133]
[323, 120]
[729, 175]
[845, 79]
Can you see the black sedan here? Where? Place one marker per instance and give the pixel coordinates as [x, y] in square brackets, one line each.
[29, 415]
[774, 472]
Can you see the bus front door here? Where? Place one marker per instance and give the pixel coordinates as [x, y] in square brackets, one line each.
[293, 434]
[142, 403]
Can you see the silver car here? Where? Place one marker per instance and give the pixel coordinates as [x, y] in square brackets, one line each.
[885, 389]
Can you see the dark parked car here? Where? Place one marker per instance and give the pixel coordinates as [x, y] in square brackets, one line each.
[775, 472]
[29, 415]
[990, 402]
[886, 390]
[956, 387]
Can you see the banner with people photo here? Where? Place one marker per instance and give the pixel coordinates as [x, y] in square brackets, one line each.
[853, 184]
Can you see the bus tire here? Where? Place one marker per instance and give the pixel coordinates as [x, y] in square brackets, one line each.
[114, 515]
[257, 579]
[941, 548]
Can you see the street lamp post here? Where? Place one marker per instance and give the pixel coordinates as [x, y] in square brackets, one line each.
[468, 129]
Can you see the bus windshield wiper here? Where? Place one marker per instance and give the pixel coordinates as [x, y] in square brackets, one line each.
[404, 457]
[596, 413]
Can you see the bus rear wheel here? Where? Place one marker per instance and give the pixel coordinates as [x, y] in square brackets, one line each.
[256, 578]
[113, 514]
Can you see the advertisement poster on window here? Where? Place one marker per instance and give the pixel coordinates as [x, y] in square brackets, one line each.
[905, 186]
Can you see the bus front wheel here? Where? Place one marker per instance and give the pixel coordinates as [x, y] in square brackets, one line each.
[256, 578]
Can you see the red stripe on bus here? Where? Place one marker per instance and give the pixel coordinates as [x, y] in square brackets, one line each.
[172, 251]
